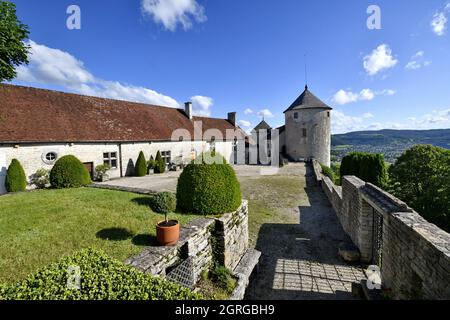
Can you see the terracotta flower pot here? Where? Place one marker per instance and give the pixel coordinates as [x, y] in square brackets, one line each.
[168, 233]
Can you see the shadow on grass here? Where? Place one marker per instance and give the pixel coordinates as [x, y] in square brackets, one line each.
[145, 240]
[114, 234]
[143, 201]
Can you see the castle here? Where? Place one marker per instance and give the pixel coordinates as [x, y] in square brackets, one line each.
[307, 130]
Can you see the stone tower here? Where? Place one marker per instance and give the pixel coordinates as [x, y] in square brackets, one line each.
[308, 129]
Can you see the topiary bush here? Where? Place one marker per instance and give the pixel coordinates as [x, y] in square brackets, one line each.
[160, 165]
[151, 163]
[164, 202]
[15, 177]
[140, 169]
[366, 166]
[69, 172]
[208, 189]
[102, 278]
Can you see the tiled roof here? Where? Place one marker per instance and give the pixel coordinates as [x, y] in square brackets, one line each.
[38, 115]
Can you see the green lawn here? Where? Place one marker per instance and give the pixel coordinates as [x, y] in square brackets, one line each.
[37, 228]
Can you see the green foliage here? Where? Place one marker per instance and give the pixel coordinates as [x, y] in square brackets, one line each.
[208, 189]
[101, 170]
[164, 202]
[69, 172]
[13, 34]
[336, 168]
[223, 277]
[41, 178]
[140, 169]
[328, 172]
[366, 166]
[102, 278]
[15, 177]
[421, 178]
[160, 165]
[151, 163]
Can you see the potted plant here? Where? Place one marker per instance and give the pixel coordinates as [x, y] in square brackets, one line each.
[151, 165]
[100, 172]
[167, 231]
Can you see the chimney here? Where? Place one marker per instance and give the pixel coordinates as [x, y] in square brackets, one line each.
[232, 118]
[188, 109]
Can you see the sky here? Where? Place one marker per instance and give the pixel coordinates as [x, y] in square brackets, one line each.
[250, 56]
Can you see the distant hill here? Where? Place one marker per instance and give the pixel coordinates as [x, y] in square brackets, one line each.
[391, 143]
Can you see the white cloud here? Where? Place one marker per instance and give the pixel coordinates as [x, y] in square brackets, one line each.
[266, 113]
[344, 97]
[417, 61]
[367, 115]
[202, 105]
[57, 67]
[248, 111]
[170, 13]
[245, 123]
[439, 22]
[342, 123]
[380, 59]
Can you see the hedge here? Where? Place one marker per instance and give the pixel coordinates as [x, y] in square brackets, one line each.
[208, 189]
[69, 172]
[160, 165]
[15, 177]
[102, 278]
[140, 169]
[366, 166]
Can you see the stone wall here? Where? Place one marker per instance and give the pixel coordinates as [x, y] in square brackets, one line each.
[415, 254]
[204, 240]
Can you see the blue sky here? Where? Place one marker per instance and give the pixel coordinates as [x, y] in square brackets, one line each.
[230, 55]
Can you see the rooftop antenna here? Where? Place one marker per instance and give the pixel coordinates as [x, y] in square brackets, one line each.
[306, 72]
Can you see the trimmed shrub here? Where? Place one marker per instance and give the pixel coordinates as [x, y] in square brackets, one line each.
[366, 166]
[151, 163]
[69, 172]
[102, 278]
[208, 189]
[41, 178]
[160, 165]
[140, 169]
[328, 172]
[15, 177]
[164, 202]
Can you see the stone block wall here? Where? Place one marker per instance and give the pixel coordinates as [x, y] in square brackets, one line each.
[202, 240]
[415, 259]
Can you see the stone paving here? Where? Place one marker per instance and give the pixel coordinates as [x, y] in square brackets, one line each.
[300, 260]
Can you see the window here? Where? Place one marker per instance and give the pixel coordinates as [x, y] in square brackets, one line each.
[304, 133]
[110, 158]
[328, 114]
[296, 115]
[51, 156]
[165, 155]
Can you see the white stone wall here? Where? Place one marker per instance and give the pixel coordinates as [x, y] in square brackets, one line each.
[31, 156]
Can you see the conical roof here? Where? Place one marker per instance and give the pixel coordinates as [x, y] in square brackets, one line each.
[263, 125]
[308, 100]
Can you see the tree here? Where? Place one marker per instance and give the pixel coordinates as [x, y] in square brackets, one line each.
[140, 169]
[421, 178]
[366, 166]
[15, 177]
[13, 34]
[160, 165]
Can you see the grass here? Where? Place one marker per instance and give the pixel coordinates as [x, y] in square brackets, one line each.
[271, 200]
[38, 228]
